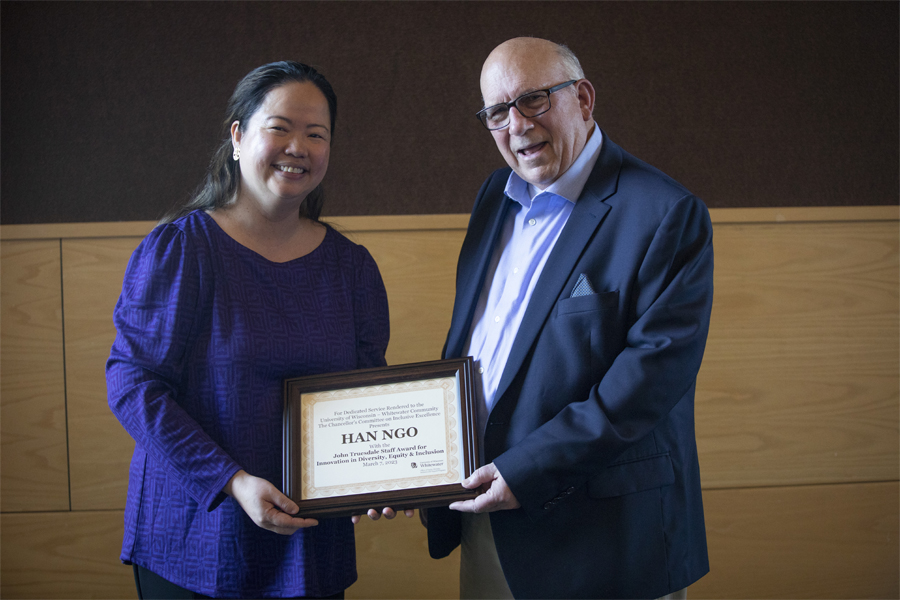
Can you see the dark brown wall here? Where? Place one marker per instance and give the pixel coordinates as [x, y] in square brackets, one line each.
[110, 109]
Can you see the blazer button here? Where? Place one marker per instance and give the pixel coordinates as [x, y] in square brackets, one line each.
[570, 490]
[549, 505]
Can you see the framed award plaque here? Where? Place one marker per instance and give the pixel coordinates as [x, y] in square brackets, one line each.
[400, 436]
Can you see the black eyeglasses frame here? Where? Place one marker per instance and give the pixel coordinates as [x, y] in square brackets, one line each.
[510, 105]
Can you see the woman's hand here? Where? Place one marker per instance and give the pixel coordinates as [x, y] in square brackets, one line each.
[265, 504]
[388, 512]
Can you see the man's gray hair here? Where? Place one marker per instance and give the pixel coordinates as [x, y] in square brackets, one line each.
[570, 62]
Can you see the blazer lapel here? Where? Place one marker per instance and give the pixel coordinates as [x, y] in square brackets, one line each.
[582, 225]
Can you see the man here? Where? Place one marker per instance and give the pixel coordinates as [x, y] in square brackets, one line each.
[583, 292]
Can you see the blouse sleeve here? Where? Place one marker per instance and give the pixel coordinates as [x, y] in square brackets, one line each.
[373, 329]
[155, 320]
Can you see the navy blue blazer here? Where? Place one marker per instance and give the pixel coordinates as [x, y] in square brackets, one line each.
[593, 427]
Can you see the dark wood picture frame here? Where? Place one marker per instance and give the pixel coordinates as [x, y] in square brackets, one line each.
[426, 496]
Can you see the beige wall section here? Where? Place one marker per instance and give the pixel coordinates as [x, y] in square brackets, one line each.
[799, 382]
[63, 555]
[797, 404]
[830, 541]
[419, 270]
[785, 542]
[32, 388]
[99, 448]
[393, 562]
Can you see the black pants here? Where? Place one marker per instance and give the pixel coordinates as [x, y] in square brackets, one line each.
[151, 586]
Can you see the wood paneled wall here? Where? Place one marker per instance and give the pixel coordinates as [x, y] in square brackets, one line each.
[798, 404]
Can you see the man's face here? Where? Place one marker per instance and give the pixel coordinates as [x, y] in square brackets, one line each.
[539, 149]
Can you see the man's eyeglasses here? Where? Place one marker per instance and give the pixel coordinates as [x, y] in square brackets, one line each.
[531, 104]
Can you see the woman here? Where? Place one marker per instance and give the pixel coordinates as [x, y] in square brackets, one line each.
[237, 291]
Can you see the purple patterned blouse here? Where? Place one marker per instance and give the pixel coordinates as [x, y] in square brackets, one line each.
[207, 330]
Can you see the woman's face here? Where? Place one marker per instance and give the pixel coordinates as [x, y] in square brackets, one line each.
[284, 147]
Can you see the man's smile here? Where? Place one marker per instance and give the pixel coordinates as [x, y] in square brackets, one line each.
[531, 150]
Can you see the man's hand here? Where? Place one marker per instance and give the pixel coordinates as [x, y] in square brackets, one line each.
[387, 511]
[268, 507]
[495, 494]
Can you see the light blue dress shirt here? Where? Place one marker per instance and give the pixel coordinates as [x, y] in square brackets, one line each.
[532, 226]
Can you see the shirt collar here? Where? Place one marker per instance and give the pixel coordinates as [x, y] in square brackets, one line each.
[569, 185]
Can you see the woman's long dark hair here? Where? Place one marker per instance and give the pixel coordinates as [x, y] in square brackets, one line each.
[223, 174]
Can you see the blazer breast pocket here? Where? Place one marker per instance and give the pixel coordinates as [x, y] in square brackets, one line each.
[602, 301]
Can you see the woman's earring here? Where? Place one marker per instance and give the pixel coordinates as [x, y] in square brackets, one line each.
[237, 153]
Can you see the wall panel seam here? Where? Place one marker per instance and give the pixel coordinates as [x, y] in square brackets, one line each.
[705, 490]
[81, 511]
[799, 485]
[62, 312]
